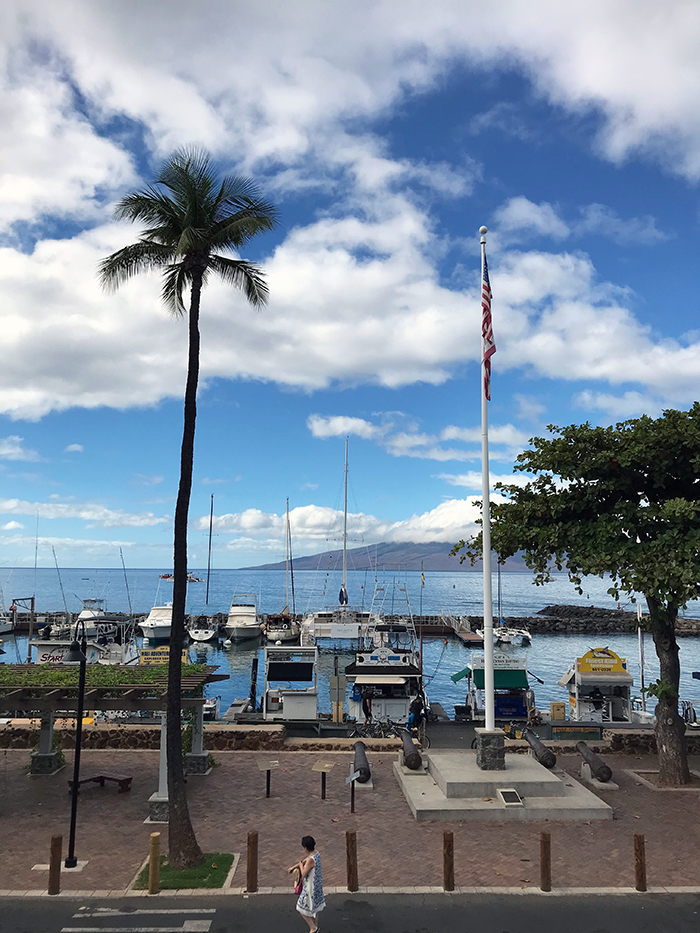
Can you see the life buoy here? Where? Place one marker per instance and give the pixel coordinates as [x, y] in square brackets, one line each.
[285, 625]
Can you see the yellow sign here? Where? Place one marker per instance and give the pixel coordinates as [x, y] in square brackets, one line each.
[159, 655]
[601, 661]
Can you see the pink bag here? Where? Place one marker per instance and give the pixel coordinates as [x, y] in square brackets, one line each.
[299, 883]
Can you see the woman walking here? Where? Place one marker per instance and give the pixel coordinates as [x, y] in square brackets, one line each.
[311, 900]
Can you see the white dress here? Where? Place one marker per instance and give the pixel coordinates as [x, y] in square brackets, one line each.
[311, 900]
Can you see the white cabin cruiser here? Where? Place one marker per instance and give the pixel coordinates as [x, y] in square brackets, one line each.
[202, 628]
[158, 622]
[504, 634]
[243, 623]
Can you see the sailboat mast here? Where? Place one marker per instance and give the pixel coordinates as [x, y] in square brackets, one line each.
[286, 575]
[211, 523]
[343, 598]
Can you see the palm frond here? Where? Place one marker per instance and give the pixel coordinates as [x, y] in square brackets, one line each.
[143, 256]
[148, 206]
[244, 275]
[176, 278]
[234, 231]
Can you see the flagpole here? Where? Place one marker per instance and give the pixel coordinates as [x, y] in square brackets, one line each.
[490, 723]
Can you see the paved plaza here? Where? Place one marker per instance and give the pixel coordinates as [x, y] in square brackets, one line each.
[394, 850]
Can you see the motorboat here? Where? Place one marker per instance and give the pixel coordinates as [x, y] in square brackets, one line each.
[599, 685]
[243, 623]
[169, 578]
[282, 627]
[504, 634]
[202, 628]
[117, 648]
[93, 619]
[157, 623]
[386, 675]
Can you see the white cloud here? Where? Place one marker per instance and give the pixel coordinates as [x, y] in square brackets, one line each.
[472, 479]
[529, 409]
[12, 526]
[148, 479]
[314, 526]
[86, 545]
[341, 425]
[628, 405]
[11, 449]
[107, 518]
[74, 449]
[520, 216]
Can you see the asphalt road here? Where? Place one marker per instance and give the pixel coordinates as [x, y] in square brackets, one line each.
[654, 913]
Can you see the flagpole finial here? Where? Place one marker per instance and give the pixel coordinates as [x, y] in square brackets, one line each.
[483, 230]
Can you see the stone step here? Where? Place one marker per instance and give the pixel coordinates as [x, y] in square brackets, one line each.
[457, 775]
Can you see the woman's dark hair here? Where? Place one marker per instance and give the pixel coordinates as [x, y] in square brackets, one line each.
[308, 843]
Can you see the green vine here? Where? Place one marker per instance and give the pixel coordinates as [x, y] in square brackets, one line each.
[661, 690]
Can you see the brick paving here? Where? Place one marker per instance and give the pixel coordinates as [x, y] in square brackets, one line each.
[394, 850]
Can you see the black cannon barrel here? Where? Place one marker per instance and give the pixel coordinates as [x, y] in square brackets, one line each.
[411, 755]
[599, 769]
[544, 755]
[361, 764]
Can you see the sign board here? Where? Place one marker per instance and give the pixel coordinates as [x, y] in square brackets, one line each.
[159, 655]
[601, 661]
[501, 661]
[324, 766]
[265, 764]
[353, 777]
[338, 687]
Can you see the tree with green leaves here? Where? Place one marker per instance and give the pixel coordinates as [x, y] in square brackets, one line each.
[623, 501]
[194, 225]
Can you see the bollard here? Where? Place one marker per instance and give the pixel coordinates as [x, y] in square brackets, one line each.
[55, 865]
[361, 764]
[544, 755]
[411, 755]
[154, 864]
[252, 863]
[351, 860]
[640, 863]
[601, 772]
[545, 862]
[448, 861]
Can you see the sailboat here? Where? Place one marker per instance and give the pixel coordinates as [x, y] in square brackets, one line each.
[343, 621]
[504, 634]
[283, 626]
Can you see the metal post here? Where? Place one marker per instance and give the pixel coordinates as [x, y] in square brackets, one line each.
[154, 864]
[55, 865]
[323, 785]
[267, 783]
[352, 796]
[545, 862]
[252, 863]
[71, 860]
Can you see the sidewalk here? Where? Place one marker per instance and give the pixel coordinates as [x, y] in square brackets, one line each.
[394, 851]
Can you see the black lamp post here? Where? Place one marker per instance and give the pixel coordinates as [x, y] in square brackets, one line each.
[77, 653]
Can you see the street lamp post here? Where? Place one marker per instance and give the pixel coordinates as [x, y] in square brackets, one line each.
[76, 653]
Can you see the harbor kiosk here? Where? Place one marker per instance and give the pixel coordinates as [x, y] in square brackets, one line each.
[599, 686]
[294, 671]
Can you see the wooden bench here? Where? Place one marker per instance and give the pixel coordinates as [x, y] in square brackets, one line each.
[122, 780]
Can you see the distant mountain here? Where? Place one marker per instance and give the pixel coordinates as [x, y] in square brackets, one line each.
[435, 556]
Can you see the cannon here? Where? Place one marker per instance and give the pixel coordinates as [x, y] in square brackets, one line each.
[361, 764]
[411, 755]
[544, 755]
[600, 771]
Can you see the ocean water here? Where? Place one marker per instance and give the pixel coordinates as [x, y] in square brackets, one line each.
[458, 593]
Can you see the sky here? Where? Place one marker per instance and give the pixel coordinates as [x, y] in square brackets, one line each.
[386, 133]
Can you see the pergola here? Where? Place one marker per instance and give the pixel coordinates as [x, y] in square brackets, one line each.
[50, 690]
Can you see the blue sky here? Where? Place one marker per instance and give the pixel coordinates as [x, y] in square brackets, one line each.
[387, 137]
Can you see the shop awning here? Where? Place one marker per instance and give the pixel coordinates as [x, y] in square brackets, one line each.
[502, 680]
[622, 678]
[457, 677]
[379, 679]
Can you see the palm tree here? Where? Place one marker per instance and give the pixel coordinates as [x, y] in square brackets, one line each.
[191, 217]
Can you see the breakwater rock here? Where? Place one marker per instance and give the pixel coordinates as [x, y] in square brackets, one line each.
[584, 620]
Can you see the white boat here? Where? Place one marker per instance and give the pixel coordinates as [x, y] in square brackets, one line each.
[513, 697]
[95, 620]
[169, 578]
[386, 674]
[202, 628]
[119, 648]
[243, 623]
[506, 635]
[157, 623]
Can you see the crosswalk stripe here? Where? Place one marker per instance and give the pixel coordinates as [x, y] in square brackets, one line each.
[116, 912]
[189, 926]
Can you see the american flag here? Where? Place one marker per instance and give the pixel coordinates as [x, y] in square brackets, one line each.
[488, 344]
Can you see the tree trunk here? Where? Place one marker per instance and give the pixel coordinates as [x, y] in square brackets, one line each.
[669, 726]
[183, 850]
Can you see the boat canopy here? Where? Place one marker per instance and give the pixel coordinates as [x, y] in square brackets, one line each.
[602, 678]
[503, 679]
[379, 679]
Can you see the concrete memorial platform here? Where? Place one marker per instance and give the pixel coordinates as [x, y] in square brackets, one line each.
[453, 787]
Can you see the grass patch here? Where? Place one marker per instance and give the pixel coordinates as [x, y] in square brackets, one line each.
[210, 874]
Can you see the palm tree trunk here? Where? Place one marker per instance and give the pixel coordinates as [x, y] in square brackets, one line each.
[669, 726]
[183, 850]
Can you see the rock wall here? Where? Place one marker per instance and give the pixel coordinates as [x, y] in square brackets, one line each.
[583, 620]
